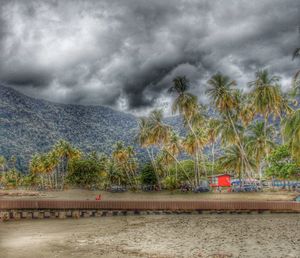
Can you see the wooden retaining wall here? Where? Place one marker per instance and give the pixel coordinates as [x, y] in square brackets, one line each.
[17, 209]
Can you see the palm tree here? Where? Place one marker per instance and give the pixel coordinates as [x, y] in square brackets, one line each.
[163, 161]
[65, 151]
[194, 144]
[259, 144]
[159, 131]
[37, 166]
[296, 81]
[266, 97]
[54, 162]
[187, 105]
[221, 93]
[124, 159]
[173, 148]
[144, 138]
[227, 101]
[291, 132]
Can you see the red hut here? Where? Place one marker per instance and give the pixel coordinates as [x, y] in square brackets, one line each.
[222, 180]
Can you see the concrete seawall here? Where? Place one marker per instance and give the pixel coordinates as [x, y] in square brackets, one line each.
[39, 209]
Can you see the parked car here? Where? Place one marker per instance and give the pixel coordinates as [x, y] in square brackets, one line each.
[201, 189]
[185, 188]
[117, 189]
[246, 188]
[149, 188]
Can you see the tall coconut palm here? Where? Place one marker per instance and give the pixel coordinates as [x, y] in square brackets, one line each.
[226, 99]
[187, 105]
[266, 97]
[185, 102]
[258, 144]
[222, 94]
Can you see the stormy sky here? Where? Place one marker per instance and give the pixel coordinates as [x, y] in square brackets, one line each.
[125, 53]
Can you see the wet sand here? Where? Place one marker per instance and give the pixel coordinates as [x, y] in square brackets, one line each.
[266, 235]
[80, 194]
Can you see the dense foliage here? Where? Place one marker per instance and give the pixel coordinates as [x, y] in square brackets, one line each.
[281, 164]
[85, 172]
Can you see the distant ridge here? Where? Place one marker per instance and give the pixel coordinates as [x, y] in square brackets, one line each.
[29, 125]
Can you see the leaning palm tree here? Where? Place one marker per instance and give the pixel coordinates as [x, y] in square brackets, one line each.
[153, 132]
[124, 158]
[159, 131]
[259, 144]
[171, 149]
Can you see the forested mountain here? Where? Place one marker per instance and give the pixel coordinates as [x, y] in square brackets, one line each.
[29, 125]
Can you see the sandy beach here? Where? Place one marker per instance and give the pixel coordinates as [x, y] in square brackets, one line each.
[82, 194]
[157, 236]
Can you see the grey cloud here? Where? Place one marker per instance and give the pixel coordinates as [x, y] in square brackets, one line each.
[98, 52]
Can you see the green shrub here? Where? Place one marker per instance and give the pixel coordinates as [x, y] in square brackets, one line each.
[170, 183]
[147, 176]
[85, 173]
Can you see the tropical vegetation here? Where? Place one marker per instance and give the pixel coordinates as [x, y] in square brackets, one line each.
[253, 133]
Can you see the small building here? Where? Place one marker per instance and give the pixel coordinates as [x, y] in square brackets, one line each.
[222, 180]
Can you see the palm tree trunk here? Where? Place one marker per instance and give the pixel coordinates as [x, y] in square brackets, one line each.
[213, 158]
[177, 162]
[265, 133]
[239, 145]
[154, 167]
[196, 155]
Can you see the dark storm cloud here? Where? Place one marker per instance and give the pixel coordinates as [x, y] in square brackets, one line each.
[125, 53]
